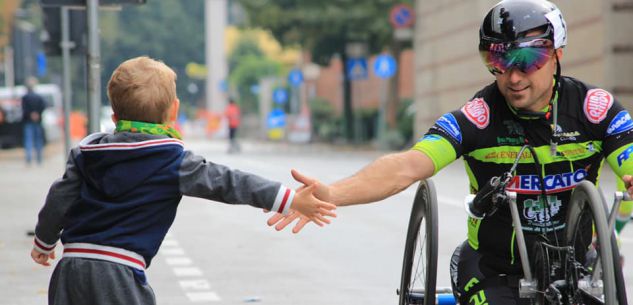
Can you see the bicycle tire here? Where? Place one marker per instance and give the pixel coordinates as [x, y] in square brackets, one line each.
[619, 275]
[587, 209]
[424, 210]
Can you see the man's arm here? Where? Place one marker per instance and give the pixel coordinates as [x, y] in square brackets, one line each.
[382, 178]
[386, 176]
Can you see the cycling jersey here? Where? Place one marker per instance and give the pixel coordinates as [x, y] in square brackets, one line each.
[488, 134]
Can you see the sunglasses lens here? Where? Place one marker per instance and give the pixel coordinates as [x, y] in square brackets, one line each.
[526, 59]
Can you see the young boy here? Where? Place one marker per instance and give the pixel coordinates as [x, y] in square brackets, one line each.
[119, 194]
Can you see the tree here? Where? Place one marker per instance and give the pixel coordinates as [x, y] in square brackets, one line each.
[247, 66]
[325, 28]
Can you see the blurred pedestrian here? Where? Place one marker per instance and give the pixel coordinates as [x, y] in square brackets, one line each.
[119, 194]
[32, 107]
[232, 114]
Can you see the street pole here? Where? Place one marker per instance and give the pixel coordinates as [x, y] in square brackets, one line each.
[94, 69]
[66, 45]
[215, 21]
[9, 73]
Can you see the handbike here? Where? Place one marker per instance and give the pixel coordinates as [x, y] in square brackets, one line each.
[584, 269]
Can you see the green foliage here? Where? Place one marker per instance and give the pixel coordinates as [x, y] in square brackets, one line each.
[246, 46]
[324, 27]
[406, 119]
[326, 125]
[247, 73]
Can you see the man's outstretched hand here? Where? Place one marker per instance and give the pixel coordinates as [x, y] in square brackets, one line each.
[319, 190]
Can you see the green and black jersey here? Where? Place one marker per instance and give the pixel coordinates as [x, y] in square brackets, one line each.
[488, 134]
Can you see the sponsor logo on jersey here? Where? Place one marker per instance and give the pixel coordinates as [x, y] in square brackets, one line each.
[621, 122]
[597, 104]
[448, 124]
[564, 135]
[623, 156]
[430, 137]
[477, 112]
[534, 209]
[530, 184]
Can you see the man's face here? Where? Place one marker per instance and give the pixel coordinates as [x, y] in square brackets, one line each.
[528, 91]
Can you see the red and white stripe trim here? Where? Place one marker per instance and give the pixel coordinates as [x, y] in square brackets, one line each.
[84, 146]
[111, 254]
[283, 200]
[43, 247]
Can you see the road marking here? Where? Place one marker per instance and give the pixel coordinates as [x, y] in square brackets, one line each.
[197, 284]
[169, 243]
[178, 261]
[194, 285]
[173, 251]
[187, 271]
[203, 296]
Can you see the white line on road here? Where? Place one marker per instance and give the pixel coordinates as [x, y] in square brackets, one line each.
[178, 261]
[195, 287]
[203, 296]
[197, 284]
[172, 251]
[187, 271]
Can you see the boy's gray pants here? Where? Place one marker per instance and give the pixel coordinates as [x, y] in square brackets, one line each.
[79, 281]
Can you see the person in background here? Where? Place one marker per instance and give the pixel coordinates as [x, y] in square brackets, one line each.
[32, 107]
[232, 114]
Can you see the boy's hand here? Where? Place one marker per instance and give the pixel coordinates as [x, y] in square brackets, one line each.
[314, 209]
[283, 221]
[42, 258]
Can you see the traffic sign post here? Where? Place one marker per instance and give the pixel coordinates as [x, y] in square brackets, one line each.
[356, 68]
[385, 66]
[280, 96]
[295, 77]
[401, 16]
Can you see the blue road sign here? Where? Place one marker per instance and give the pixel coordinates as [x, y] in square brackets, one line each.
[276, 119]
[356, 68]
[280, 95]
[295, 77]
[401, 16]
[385, 66]
[41, 64]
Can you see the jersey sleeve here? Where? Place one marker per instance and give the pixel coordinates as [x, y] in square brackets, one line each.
[617, 131]
[443, 141]
[618, 149]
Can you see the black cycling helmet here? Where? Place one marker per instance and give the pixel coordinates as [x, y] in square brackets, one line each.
[510, 20]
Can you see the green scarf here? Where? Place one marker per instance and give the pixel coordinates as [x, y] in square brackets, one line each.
[147, 128]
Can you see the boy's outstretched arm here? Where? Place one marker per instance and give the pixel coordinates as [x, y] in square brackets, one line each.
[386, 176]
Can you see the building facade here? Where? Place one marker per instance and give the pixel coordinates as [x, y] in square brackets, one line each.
[449, 70]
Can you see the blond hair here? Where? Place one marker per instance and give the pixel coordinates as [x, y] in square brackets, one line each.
[142, 89]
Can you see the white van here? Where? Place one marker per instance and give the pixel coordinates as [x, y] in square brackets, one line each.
[11, 106]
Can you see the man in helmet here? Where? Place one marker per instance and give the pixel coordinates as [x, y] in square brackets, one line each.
[572, 126]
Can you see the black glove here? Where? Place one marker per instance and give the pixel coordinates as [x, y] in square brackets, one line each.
[487, 199]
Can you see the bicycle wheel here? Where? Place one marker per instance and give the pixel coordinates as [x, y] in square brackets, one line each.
[419, 267]
[594, 282]
[541, 263]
